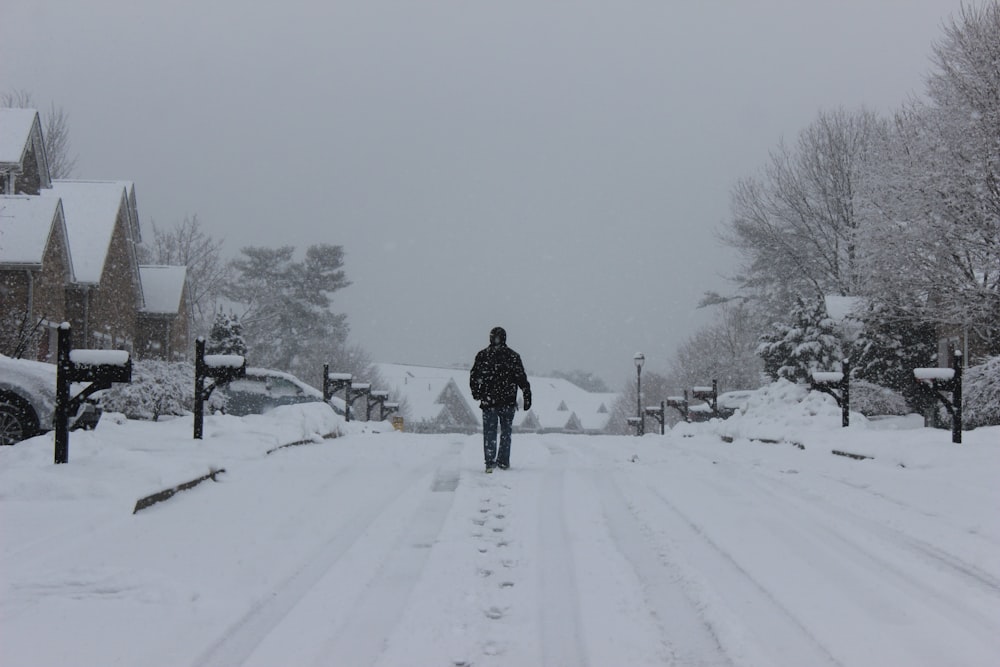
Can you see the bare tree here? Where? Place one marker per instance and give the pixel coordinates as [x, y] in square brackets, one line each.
[935, 192]
[186, 244]
[55, 132]
[796, 225]
[724, 350]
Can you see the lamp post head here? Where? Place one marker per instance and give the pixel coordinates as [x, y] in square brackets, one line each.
[639, 358]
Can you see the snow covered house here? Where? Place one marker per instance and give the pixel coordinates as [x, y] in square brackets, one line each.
[163, 321]
[440, 400]
[34, 272]
[68, 252]
[105, 296]
[434, 399]
[24, 167]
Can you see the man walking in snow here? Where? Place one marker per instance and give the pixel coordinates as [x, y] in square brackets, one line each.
[494, 380]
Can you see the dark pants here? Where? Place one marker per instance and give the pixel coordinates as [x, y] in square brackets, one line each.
[504, 416]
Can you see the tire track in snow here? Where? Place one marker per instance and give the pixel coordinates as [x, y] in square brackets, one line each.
[887, 533]
[560, 631]
[706, 560]
[691, 639]
[238, 643]
[839, 523]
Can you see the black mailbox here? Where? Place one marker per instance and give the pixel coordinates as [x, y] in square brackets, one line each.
[659, 413]
[829, 383]
[221, 368]
[100, 368]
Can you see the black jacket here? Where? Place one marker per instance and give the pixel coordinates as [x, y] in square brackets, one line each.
[496, 375]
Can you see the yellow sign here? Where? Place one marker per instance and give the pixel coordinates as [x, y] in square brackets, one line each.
[397, 423]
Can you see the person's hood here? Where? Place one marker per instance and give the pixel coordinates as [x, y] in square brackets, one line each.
[498, 336]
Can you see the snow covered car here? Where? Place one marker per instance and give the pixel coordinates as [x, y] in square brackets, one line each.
[263, 389]
[28, 400]
[729, 403]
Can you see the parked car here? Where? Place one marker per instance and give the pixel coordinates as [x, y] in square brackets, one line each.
[263, 389]
[28, 401]
[729, 403]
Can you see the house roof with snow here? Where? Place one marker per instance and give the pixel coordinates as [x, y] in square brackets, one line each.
[26, 224]
[20, 130]
[16, 129]
[557, 404]
[162, 288]
[91, 210]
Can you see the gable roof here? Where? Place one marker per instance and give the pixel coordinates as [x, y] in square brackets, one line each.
[162, 288]
[581, 409]
[91, 209]
[20, 129]
[16, 128]
[26, 224]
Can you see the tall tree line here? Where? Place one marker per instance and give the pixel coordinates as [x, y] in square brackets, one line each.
[901, 211]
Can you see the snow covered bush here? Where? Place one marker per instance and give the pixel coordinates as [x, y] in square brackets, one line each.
[226, 336]
[981, 389]
[810, 343]
[158, 388]
[870, 399]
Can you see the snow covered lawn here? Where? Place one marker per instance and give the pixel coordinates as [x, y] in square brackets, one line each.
[384, 548]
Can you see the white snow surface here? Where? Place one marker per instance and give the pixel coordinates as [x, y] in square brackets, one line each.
[15, 131]
[25, 225]
[934, 373]
[91, 211]
[99, 357]
[162, 288]
[386, 548]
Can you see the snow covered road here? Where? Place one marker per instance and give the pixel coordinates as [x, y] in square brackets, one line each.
[396, 549]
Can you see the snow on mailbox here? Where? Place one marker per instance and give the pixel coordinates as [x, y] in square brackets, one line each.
[221, 368]
[100, 368]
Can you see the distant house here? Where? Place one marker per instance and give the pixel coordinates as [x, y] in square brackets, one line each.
[35, 270]
[68, 252]
[24, 167]
[103, 301]
[163, 323]
[440, 400]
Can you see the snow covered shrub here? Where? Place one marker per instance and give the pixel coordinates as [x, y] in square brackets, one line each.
[810, 343]
[226, 336]
[158, 388]
[870, 399]
[981, 394]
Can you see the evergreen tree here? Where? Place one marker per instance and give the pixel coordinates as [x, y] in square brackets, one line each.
[889, 347]
[226, 336]
[810, 343]
[288, 318]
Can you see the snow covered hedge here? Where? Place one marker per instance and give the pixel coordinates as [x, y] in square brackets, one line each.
[158, 388]
[870, 400]
[981, 389]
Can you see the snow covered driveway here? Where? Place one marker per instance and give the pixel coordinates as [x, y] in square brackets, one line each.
[396, 549]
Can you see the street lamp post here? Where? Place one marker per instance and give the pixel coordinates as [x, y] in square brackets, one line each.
[639, 358]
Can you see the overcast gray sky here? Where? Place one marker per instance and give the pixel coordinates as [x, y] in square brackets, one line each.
[558, 168]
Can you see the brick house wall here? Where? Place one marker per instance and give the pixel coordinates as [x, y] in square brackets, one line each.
[38, 296]
[104, 316]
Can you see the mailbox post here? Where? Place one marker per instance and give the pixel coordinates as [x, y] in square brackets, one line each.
[387, 409]
[937, 380]
[354, 392]
[659, 414]
[376, 397]
[220, 367]
[680, 403]
[98, 367]
[334, 382]
[829, 383]
[708, 394]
